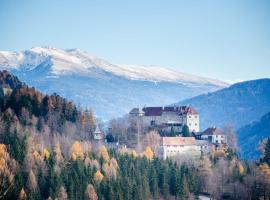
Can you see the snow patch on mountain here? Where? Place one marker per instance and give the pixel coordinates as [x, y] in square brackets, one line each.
[76, 61]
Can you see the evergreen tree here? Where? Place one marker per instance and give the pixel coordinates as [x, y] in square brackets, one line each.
[153, 182]
[185, 131]
[172, 132]
[266, 157]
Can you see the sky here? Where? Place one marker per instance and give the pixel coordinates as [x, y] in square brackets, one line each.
[225, 39]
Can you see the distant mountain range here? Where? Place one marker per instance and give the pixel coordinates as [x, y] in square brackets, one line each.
[237, 105]
[250, 135]
[111, 90]
[245, 106]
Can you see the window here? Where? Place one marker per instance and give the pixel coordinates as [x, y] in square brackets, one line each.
[195, 116]
[189, 116]
[195, 124]
[152, 123]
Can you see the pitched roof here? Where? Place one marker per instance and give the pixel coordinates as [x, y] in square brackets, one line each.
[97, 131]
[136, 111]
[176, 141]
[213, 131]
[152, 111]
[157, 111]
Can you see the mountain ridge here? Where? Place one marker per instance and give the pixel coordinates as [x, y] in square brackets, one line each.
[237, 105]
[68, 60]
[111, 90]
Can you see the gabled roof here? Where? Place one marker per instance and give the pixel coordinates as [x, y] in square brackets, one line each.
[213, 131]
[97, 131]
[177, 141]
[152, 111]
[187, 110]
[136, 111]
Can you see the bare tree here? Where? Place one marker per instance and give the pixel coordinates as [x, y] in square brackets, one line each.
[7, 171]
[62, 194]
[152, 139]
[231, 137]
[32, 182]
[90, 193]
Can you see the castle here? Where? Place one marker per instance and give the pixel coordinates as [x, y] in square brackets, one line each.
[168, 117]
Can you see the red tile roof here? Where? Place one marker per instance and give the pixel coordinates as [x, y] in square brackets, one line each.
[157, 111]
[152, 111]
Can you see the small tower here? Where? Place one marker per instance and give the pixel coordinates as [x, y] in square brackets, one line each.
[98, 135]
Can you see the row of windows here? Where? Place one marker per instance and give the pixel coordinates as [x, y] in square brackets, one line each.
[194, 116]
[190, 124]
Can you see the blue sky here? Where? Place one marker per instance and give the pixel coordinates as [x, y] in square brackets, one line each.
[227, 40]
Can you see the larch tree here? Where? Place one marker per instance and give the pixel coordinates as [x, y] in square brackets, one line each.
[91, 119]
[231, 138]
[22, 195]
[62, 194]
[102, 152]
[148, 153]
[76, 151]
[90, 193]
[98, 176]
[32, 182]
[7, 171]
[206, 174]
[152, 139]
[58, 153]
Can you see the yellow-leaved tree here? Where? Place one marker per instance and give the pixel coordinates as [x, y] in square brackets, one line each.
[7, 171]
[46, 153]
[110, 168]
[76, 151]
[102, 152]
[98, 176]
[241, 168]
[148, 153]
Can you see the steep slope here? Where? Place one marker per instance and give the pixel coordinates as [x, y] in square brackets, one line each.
[236, 105]
[111, 90]
[250, 135]
[30, 109]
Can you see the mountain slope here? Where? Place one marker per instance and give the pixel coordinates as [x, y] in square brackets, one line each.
[250, 135]
[236, 105]
[111, 90]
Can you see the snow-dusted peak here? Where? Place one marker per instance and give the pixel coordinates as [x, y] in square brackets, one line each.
[77, 61]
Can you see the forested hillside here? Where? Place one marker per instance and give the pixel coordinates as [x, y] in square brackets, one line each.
[47, 152]
[237, 105]
[251, 135]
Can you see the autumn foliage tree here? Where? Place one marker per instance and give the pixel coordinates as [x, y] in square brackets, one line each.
[148, 153]
[98, 176]
[90, 193]
[76, 151]
[102, 152]
[7, 171]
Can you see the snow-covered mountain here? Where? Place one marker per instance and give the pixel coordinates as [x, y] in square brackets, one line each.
[93, 82]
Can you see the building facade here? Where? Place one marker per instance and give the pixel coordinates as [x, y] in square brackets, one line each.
[175, 146]
[167, 117]
[214, 135]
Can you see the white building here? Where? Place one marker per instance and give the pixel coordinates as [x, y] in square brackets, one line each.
[172, 116]
[98, 135]
[174, 146]
[205, 146]
[214, 135]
